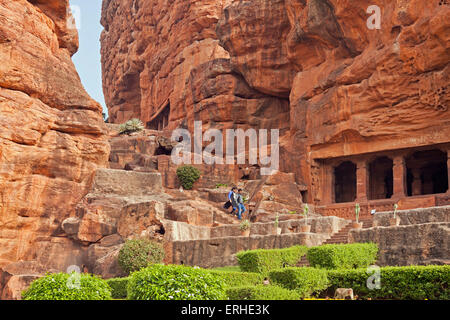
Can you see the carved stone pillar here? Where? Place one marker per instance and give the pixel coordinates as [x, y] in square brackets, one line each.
[399, 173]
[417, 182]
[362, 181]
[448, 171]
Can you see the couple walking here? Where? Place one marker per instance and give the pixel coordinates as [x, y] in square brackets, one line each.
[236, 201]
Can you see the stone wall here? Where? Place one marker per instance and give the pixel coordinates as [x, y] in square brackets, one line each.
[422, 237]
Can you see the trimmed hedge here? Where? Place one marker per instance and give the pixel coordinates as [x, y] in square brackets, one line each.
[118, 287]
[139, 253]
[172, 282]
[343, 256]
[64, 286]
[238, 279]
[261, 292]
[263, 261]
[306, 281]
[399, 283]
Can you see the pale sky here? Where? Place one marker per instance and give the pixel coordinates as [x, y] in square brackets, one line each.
[87, 13]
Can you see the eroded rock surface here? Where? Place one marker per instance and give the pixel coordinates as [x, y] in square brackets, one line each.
[52, 135]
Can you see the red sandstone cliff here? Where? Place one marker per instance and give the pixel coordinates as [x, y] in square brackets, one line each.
[310, 67]
[51, 133]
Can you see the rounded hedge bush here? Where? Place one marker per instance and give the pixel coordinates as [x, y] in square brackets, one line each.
[187, 176]
[140, 253]
[159, 282]
[64, 286]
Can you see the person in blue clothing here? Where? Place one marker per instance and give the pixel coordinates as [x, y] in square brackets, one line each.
[241, 206]
[232, 200]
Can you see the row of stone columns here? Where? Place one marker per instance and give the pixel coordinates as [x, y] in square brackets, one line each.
[399, 173]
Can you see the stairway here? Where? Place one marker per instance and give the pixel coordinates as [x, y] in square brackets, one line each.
[340, 237]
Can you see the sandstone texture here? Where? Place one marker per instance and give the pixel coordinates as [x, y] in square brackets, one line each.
[311, 68]
[422, 237]
[52, 137]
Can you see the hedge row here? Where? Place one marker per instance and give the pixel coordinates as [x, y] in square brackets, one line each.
[399, 283]
[263, 261]
[305, 281]
[175, 282]
[343, 256]
[239, 279]
[261, 292]
[65, 286]
[118, 287]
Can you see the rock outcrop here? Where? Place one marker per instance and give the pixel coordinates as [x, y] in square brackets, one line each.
[52, 135]
[422, 237]
[312, 68]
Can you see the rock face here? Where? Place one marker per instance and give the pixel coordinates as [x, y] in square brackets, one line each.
[51, 135]
[422, 237]
[312, 68]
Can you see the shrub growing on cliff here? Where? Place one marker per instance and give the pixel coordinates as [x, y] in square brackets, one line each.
[187, 176]
[64, 286]
[139, 253]
[338, 256]
[133, 125]
[159, 282]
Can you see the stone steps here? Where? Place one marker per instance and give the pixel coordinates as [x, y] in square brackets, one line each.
[342, 235]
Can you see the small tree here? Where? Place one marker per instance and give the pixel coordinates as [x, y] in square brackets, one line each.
[357, 210]
[187, 176]
[306, 212]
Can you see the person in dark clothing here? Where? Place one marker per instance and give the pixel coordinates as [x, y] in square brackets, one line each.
[233, 198]
[241, 205]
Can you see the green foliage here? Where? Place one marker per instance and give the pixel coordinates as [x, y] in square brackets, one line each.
[187, 176]
[64, 286]
[236, 279]
[229, 268]
[399, 283]
[245, 225]
[220, 185]
[159, 282]
[139, 253]
[118, 287]
[263, 261]
[133, 125]
[336, 256]
[306, 281]
[261, 292]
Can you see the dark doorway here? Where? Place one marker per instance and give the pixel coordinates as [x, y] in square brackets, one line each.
[381, 178]
[427, 173]
[345, 182]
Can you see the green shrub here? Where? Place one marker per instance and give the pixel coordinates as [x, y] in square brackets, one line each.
[306, 281]
[118, 287]
[346, 256]
[263, 261]
[399, 283]
[187, 176]
[64, 286]
[261, 292]
[159, 282]
[133, 125]
[237, 279]
[139, 253]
